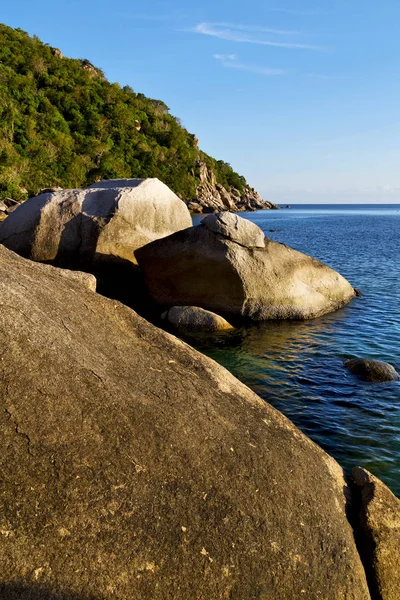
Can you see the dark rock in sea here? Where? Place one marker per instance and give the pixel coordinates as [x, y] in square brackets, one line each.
[372, 370]
[226, 265]
[134, 467]
[379, 521]
[193, 318]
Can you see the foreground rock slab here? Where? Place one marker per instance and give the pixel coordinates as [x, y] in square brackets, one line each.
[380, 523]
[99, 225]
[367, 369]
[193, 318]
[134, 467]
[226, 265]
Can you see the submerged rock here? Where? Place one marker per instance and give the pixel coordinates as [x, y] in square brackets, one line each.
[379, 520]
[99, 225]
[372, 370]
[193, 318]
[134, 467]
[226, 265]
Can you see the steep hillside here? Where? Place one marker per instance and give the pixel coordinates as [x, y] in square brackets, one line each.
[63, 124]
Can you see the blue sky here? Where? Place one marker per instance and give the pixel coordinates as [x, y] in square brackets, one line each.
[301, 97]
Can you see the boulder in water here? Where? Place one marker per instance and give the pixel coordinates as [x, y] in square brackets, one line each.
[193, 318]
[367, 369]
[226, 265]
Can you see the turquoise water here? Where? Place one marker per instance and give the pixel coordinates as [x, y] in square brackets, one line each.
[298, 367]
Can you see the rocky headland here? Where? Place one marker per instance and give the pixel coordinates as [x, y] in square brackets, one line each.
[213, 197]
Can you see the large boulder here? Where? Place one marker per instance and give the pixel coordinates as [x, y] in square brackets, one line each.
[380, 526]
[226, 265]
[100, 225]
[371, 370]
[134, 467]
[193, 318]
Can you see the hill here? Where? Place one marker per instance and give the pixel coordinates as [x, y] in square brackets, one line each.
[63, 124]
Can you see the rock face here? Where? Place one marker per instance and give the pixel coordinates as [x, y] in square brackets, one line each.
[221, 266]
[134, 467]
[213, 197]
[372, 370]
[380, 523]
[103, 224]
[193, 318]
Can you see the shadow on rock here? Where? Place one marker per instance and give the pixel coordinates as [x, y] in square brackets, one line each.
[25, 591]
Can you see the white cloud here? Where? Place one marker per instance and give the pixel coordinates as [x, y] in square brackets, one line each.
[225, 56]
[247, 34]
[229, 61]
[255, 28]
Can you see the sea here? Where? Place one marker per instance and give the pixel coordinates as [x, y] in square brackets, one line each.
[298, 366]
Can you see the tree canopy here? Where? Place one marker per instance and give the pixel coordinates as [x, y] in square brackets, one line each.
[63, 124]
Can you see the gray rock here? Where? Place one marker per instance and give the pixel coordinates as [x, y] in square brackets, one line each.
[193, 318]
[379, 521]
[12, 208]
[48, 190]
[372, 370]
[197, 267]
[134, 467]
[9, 202]
[236, 229]
[3, 207]
[103, 224]
[195, 207]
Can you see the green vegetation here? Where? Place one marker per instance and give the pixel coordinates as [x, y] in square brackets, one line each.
[63, 124]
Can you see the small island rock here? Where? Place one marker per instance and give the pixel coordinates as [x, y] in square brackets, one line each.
[193, 318]
[372, 370]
